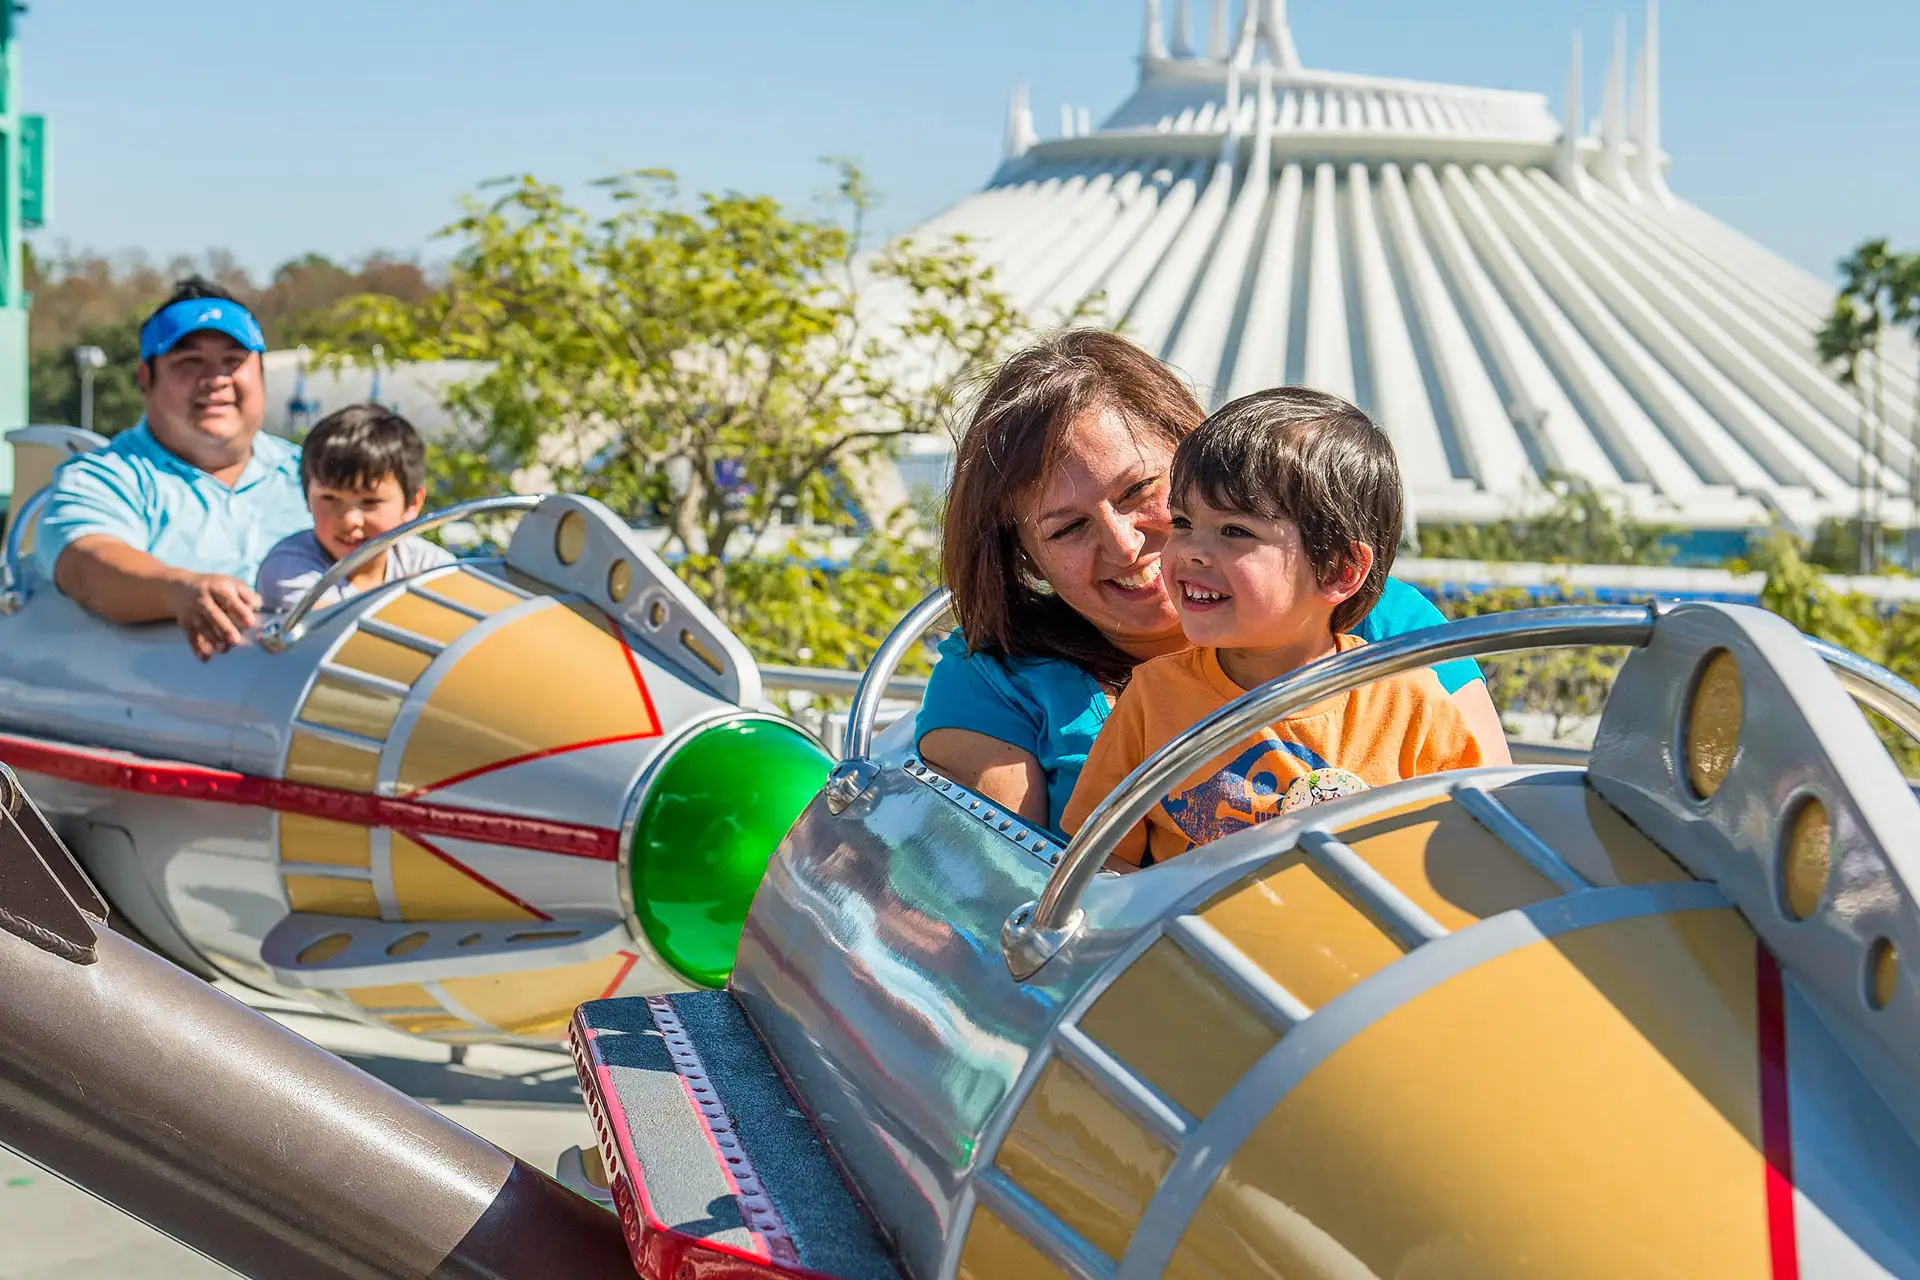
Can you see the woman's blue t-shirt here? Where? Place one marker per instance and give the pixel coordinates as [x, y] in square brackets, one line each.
[1053, 710]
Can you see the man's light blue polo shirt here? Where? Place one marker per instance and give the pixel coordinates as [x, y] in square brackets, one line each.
[150, 499]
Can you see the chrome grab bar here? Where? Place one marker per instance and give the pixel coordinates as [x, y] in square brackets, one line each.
[855, 773]
[1037, 931]
[12, 596]
[1874, 685]
[830, 682]
[281, 633]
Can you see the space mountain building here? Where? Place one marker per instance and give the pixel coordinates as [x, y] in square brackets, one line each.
[1513, 296]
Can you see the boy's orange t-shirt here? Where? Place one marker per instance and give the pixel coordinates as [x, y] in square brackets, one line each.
[1398, 727]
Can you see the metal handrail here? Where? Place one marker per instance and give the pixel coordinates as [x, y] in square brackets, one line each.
[11, 595]
[879, 674]
[832, 682]
[855, 773]
[1874, 685]
[1036, 932]
[281, 633]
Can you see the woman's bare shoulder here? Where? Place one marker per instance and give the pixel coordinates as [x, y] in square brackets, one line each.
[1009, 776]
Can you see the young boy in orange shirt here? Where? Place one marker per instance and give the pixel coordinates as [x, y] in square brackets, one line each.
[1286, 513]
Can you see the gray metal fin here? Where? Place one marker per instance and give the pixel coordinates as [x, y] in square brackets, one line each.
[45, 898]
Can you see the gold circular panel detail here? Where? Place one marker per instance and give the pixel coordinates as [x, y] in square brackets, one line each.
[321, 950]
[657, 614]
[619, 581]
[570, 539]
[1807, 861]
[1713, 724]
[1883, 972]
[407, 945]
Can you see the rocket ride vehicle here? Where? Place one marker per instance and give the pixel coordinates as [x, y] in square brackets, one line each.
[457, 805]
[1654, 1014]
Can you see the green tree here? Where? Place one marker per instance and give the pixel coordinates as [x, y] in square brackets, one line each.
[1891, 637]
[53, 379]
[1582, 527]
[707, 369]
[1844, 340]
[1565, 684]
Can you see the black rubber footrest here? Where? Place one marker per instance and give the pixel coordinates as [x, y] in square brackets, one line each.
[709, 1155]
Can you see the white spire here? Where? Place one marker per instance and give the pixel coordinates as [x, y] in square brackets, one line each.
[1636, 99]
[1264, 113]
[1085, 128]
[1573, 174]
[1230, 143]
[1242, 54]
[1273, 26]
[1646, 110]
[1217, 37]
[1156, 42]
[1066, 119]
[1182, 30]
[1020, 135]
[1613, 119]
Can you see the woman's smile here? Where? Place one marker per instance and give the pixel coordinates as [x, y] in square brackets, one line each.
[1142, 583]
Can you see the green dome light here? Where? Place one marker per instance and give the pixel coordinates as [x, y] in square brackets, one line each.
[709, 823]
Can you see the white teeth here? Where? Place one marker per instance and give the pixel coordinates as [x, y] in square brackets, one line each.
[1201, 595]
[1145, 578]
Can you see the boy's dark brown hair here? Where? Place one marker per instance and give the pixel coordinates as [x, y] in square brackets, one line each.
[361, 445]
[1309, 457]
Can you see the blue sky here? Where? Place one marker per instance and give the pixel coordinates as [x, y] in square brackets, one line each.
[275, 128]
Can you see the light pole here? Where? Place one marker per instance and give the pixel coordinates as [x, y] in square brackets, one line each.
[88, 359]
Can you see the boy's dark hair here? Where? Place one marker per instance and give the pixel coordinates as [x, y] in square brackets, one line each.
[361, 445]
[1309, 457]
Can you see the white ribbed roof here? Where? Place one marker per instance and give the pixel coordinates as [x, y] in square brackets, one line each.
[1507, 298]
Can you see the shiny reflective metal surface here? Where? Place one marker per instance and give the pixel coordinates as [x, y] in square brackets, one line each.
[209, 883]
[1033, 939]
[1014, 827]
[871, 966]
[873, 685]
[848, 782]
[277, 635]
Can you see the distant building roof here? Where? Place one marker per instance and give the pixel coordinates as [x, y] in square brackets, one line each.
[1509, 294]
[299, 395]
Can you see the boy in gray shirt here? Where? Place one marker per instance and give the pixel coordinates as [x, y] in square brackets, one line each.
[364, 470]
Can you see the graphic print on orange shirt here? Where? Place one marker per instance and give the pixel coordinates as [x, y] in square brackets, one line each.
[1261, 782]
[1399, 727]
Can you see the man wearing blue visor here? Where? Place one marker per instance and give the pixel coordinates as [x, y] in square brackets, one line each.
[172, 519]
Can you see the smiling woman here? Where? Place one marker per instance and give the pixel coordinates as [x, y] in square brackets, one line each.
[1054, 535]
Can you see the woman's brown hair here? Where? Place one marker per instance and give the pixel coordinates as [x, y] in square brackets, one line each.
[1018, 429]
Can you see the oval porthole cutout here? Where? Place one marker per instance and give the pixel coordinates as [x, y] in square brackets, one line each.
[1713, 724]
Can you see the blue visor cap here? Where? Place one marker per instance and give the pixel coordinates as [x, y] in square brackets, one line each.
[191, 315]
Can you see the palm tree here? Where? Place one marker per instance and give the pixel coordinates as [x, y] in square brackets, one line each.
[1904, 294]
[1845, 339]
[1868, 276]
